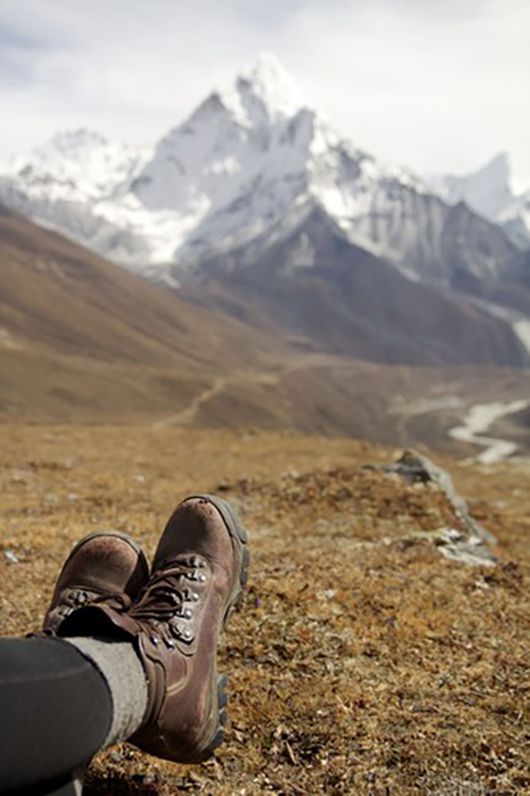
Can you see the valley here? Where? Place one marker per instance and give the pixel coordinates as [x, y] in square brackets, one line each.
[83, 340]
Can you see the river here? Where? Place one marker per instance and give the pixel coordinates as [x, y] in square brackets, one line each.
[478, 420]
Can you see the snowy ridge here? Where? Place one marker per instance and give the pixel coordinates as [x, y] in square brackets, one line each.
[488, 191]
[244, 160]
[77, 165]
[247, 165]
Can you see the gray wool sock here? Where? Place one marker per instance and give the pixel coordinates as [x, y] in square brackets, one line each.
[124, 674]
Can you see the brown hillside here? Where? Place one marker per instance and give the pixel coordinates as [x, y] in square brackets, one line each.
[63, 298]
[81, 337]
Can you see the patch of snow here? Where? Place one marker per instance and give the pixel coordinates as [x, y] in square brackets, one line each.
[519, 322]
[302, 255]
[522, 330]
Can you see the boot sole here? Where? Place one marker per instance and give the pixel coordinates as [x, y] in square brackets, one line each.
[239, 538]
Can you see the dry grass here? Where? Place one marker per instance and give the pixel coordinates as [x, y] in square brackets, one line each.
[363, 663]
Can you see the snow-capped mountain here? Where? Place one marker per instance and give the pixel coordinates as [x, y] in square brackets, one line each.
[77, 165]
[64, 183]
[244, 171]
[488, 191]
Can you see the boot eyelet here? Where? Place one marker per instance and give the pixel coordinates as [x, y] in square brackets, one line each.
[176, 629]
[194, 597]
[187, 635]
[155, 640]
[187, 613]
[201, 577]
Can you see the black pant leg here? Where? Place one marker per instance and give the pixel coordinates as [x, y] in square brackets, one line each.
[55, 712]
[66, 786]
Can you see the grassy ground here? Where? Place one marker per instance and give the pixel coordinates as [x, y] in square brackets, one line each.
[364, 662]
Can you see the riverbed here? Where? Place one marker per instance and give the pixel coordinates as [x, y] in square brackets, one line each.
[477, 422]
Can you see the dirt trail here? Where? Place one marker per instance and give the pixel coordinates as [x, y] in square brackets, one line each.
[246, 377]
[186, 415]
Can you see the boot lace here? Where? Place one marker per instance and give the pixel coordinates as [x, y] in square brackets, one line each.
[166, 602]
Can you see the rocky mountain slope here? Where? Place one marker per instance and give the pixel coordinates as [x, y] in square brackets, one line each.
[245, 173]
[331, 295]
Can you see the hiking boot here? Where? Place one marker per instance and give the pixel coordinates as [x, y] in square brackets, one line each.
[102, 566]
[199, 570]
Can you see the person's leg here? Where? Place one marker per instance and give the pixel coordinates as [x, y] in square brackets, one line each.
[58, 704]
[61, 702]
[56, 710]
[71, 785]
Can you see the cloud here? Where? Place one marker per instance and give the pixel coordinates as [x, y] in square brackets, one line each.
[436, 85]
[435, 89]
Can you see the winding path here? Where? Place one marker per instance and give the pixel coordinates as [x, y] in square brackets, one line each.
[241, 377]
[188, 413]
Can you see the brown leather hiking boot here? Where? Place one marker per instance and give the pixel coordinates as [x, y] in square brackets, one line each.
[199, 570]
[103, 565]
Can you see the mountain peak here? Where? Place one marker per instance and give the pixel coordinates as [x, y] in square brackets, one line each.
[76, 165]
[496, 171]
[243, 167]
[272, 86]
[486, 190]
[263, 94]
[79, 137]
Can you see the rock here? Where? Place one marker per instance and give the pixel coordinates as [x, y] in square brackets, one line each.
[414, 467]
[11, 557]
[470, 548]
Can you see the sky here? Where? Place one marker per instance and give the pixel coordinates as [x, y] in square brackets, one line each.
[438, 85]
